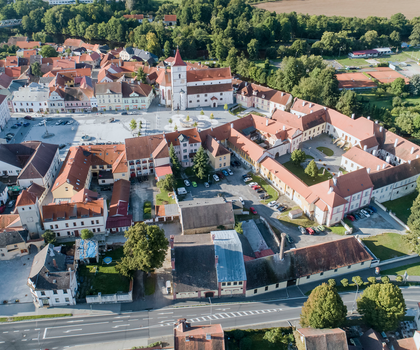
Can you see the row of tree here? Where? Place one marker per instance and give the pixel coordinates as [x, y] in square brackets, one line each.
[381, 305]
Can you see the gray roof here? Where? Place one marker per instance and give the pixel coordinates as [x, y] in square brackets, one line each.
[49, 270]
[171, 210]
[12, 237]
[194, 263]
[33, 92]
[45, 80]
[208, 215]
[228, 249]
[40, 162]
[254, 236]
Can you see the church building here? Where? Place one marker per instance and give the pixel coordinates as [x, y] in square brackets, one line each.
[186, 87]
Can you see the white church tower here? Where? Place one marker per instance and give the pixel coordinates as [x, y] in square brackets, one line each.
[179, 83]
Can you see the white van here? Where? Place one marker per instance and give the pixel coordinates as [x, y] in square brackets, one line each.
[182, 190]
[168, 287]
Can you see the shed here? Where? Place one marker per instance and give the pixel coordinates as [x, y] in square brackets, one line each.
[296, 213]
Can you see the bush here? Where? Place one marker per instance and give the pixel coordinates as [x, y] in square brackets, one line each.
[332, 282]
[399, 278]
[345, 282]
[385, 279]
[372, 279]
[357, 280]
[246, 344]
[147, 210]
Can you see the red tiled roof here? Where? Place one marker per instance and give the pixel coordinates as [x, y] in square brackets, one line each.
[305, 106]
[169, 18]
[84, 195]
[178, 60]
[208, 74]
[134, 16]
[73, 42]
[365, 159]
[53, 211]
[163, 170]
[30, 196]
[28, 44]
[120, 198]
[192, 135]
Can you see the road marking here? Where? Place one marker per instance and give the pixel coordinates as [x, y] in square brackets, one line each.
[121, 316]
[37, 329]
[228, 308]
[6, 332]
[165, 313]
[164, 317]
[78, 325]
[26, 330]
[191, 315]
[134, 319]
[24, 339]
[148, 318]
[117, 321]
[121, 325]
[221, 316]
[215, 317]
[45, 333]
[15, 331]
[73, 321]
[251, 312]
[73, 330]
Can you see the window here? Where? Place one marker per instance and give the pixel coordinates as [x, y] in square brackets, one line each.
[228, 283]
[255, 291]
[82, 223]
[235, 283]
[240, 283]
[42, 293]
[51, 227]
[362, 263]
[277, 285]
[74, 224]
[321, 274]
[67, 225]
[92, 222]
[57, 300]
[307, 277]
[266, 288]
[55, 291]
[67, 300]
[97, 222]
[223, 284]
[65, 291]
[349, 267]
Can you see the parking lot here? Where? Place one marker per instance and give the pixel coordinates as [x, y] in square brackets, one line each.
[14, 274]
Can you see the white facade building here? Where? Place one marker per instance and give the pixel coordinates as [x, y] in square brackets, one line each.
[4, 112]
[31, 98]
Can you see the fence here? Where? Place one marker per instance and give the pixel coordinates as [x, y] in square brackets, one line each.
[392, 215]
[111, 298]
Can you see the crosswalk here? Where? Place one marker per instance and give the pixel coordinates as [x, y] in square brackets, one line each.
[225, 315]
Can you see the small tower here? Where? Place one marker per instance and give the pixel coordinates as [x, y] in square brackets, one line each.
[28, 208]
[179, 83]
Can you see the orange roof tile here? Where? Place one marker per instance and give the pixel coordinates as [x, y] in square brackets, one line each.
[365, 159]
[76, 210]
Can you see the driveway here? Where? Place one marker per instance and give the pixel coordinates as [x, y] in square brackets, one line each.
[14, 274]
[140, 192]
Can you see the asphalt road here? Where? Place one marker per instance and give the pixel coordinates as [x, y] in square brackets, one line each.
[65, 332]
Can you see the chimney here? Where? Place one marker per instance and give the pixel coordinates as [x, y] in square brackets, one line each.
[282, 94]
[171, 240]
[283, 238]
[380, 129]
[368, 118]
[409, 162]
[365, 148]
[182, 324]
[335, 180]
[284, 127]
[266, 122]
[231, 125]
[55, 264]
[388, 159]
[412, 150]
[330, 190]
[396, 143]
[376, 122]
[383, 166]
[378, 167]
[211, 128]
[216, 260]
[310, 105]
[368, 170]
[374, 152]
[352, 116]
[325, 108]
[173, 264]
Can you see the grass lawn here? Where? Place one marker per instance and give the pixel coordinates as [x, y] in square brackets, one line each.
[238, 109]
[387, 245]
[149, 284]
[345, 61]
[412, 270]
[163, 198]
[24, 318]
[273, 194]
[402, 206]
[301, 221]
[344, 171]
[147, 210]
[338, 230]
[102, 277]
[300, 173]
[328, 152]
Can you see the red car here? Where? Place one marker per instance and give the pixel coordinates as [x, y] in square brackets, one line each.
[310, 231]
[253, 211]
[256, 187]
[28, 117]
[351, 217]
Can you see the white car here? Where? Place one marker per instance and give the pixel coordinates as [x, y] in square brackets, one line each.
[241, 200]
[206, 184]
[187, 183]
[252, 184]
[58, 123]
[247, 179]
[215, 177]
[230, 172]
[272, 204]
[365, 213]
[41, 123]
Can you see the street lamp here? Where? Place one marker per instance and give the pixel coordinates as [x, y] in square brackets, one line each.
[210, 309]
[355, 297]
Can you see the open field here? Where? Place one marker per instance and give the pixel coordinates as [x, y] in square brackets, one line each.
[346, 8]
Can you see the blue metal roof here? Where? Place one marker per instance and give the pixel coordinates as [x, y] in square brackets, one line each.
[228, 247]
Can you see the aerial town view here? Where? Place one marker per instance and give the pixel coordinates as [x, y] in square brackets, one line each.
[209, 175]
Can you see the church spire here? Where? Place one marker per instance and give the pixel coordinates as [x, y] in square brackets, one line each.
[178, 60]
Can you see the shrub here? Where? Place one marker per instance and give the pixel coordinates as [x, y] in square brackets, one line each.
[372, 279]
[399, 278]
[385, 279]
[332, 282]
[357, 280]
[345, 282]
[238, 334]
[246, 343]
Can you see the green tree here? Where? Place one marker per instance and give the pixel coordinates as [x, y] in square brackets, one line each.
[48, 51]
[133, 125]
[382, 306]
[238, 228]
[153, 45]
[415, 85]
[176, 165]
[415, 35]
[348, 103]
[36, 69]
[332, 282]
[312, 169]
[372, 279]
[398, 86]
[188, 118]
[167, 183]
[277, 337]
[86, 234]
[252, 49]
[385, 279]
[225, 107]
[141, 75]
[167, 51]
[201, 165]
[49, 237]
[145, 249]
[211, 116]
[345, 282]
[170, 121]
[323, 309]
[399, 278]
[298, 156]
[245, 343]
[201, 112]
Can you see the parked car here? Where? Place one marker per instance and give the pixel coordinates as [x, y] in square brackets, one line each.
[41, 123]
[26, 124]
[317, 232]
[111, 120]
[245, 176]
[58, 123]
[253, 211]
[350, 217]
[247, 179]
[19, 124]
[28, 117]
[371, 207]
[216, 178]
[365, 213]
[11, 203]
[321, 228]
[206, 184]
[272, 204]
[187, 183]
[252, 184]
[263, 195]
[370, 211]
[123, 113]
[282, 208]
[302, 230]
[2, 209]
[194, 184]
[256, 187]
[230, 172]
[14, 126]
[310, 230]
[289, 239]
[62, 146]
[356, 216]
[225, 172]
[220, 175]
[10, 134]
[361, 215]
[277, 205]
[241, 200]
